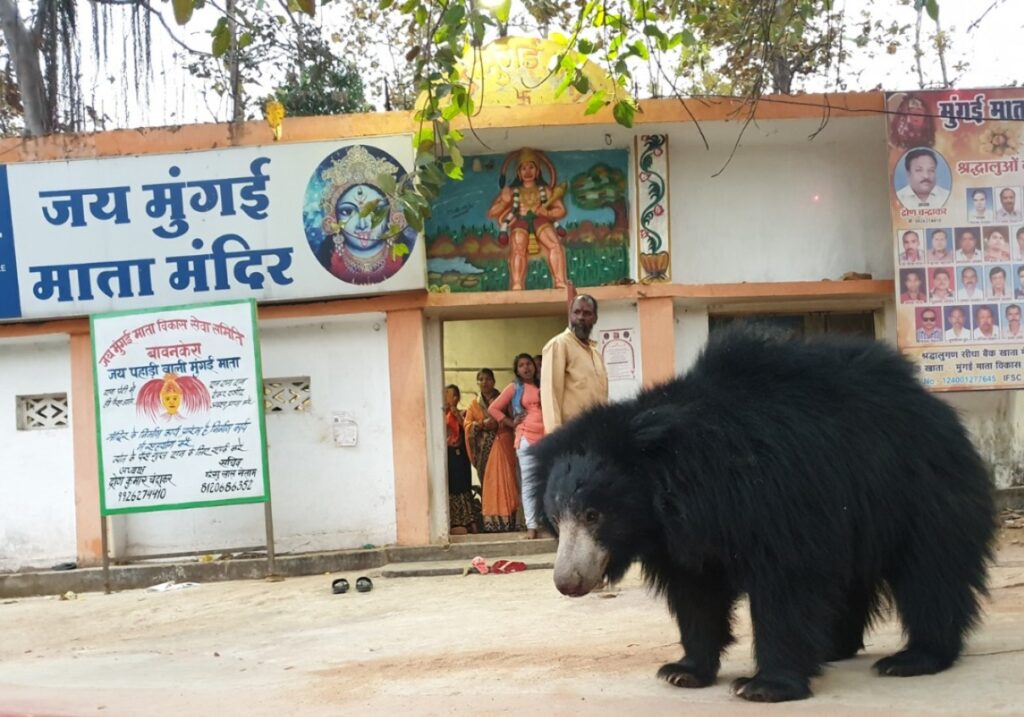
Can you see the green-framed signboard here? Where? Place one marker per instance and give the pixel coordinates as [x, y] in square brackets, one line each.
[179, 408]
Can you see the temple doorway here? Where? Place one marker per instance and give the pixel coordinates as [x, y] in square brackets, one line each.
[468, 347]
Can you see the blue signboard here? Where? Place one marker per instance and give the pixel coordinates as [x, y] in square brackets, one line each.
[10, 304]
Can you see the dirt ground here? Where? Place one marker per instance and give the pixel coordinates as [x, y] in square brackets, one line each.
[475, 645]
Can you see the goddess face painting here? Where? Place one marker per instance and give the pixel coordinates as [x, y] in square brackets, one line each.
[355, 220]
[350, 221]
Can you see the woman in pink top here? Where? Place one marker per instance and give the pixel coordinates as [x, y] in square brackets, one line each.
[518, 407]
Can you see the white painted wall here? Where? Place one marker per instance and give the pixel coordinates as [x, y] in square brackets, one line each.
[325, 497]
[37, 479]
[437, 451]
[691, 333]
[785, 209]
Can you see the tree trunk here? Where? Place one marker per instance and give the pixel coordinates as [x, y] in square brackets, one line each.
[918, 53]
[621, 218]
[25, 58]
[940, 45]
[782, 75]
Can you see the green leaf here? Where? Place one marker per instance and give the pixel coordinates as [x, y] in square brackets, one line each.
[596, 102]
[624, 112]
[368, 208]
[221, 38]
[454, 14]
[932, 7]
[502, 11]
[245, 40]
[387, 183]
[478, 26]
[380, 214]
[308, 7]
[584, 46]
[385, 4]
[399, 249]
[655, 31]
[456, 156]
[582, 84]
[413, 219]
[640, 49]
[563, 85]
[182, 11]
[452, 171]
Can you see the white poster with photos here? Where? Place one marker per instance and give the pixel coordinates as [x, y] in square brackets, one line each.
[957, 197]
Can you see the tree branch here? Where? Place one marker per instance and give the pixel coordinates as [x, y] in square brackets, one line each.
[159, 16]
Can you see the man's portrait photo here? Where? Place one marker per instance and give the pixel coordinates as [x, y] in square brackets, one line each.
[922, 179]
[1008, 209]
[929, 327]
[940, 246]
[958, 323]
[979, 205]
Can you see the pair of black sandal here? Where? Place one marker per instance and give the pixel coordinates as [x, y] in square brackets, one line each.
[363, 585]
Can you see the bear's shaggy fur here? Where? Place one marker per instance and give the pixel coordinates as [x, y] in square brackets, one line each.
[817, 477]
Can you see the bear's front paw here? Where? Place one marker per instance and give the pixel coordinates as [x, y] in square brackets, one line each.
[771, 689]
[686, 674]
[910, 662]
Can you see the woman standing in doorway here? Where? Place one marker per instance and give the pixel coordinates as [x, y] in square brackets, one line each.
[492, 451]
[460, 478]
[518, 408]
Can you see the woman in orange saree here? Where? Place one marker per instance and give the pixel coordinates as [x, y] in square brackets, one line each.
[492, 451]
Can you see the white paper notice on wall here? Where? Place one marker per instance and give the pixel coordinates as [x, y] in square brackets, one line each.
[619, 353]
[346, 430]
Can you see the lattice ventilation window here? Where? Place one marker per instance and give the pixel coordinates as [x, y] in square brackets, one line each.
[49, 410]
[286, 395]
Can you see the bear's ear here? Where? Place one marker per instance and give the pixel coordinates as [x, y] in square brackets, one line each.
[652, 428]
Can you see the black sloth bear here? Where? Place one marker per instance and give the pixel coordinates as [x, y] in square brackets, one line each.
[817, 477]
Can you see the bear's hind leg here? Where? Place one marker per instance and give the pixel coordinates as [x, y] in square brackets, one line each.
[702, 604]
[936, 611]
[792, 633]
[848, 628]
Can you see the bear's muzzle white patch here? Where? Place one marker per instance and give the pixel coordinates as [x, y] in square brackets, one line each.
[581, 561]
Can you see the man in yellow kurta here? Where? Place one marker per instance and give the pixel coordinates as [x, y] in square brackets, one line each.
[573, 377]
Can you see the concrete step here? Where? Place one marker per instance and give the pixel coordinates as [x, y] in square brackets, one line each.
[142, 573]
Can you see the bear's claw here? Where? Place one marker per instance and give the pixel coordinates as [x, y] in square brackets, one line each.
[910, 662]
[767, 689]
[684, 674]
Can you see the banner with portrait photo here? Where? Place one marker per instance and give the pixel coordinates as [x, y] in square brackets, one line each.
[286, 222]
[956, 182]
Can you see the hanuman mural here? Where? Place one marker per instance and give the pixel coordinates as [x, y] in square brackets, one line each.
[536, 233]
[528, 211]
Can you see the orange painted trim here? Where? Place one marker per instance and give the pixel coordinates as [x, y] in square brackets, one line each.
[525, 302]
[657, 339]
[856, 104]
[338, 307]
[773, 290]
[190, 138]
[197, 137]
[41, 328]
[407, 368]
[83, 439]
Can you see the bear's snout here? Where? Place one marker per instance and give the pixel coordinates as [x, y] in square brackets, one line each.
[581, 560]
